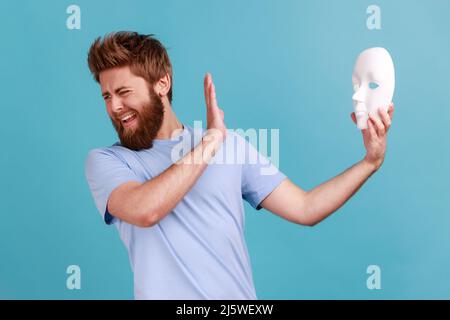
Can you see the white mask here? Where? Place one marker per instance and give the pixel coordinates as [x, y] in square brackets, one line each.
[373, 82]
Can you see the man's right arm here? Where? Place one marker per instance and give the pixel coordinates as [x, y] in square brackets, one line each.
[145, 204]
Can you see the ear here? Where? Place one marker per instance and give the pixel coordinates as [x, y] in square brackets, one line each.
[162, 86]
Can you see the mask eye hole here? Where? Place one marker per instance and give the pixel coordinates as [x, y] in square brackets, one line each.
[373, 85]
[355, 87]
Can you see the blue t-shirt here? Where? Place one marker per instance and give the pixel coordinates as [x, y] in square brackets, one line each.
[198, 250]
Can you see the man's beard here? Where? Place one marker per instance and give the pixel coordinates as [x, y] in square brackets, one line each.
[148, 123]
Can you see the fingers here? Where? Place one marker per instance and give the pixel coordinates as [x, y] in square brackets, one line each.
[206, 85]
[352, 115]
[371, 128]
[212, 95]
[385, 118]
[391, 110]
[377, 124]
[383, 124]
[212, 98]
[213, 109]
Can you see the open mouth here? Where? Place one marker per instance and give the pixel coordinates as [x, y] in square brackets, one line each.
[128, 119]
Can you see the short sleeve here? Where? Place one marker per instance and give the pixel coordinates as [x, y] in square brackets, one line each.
[105, 171]
[259, 175]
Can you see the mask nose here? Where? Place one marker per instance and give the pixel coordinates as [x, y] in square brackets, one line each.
[359, 96]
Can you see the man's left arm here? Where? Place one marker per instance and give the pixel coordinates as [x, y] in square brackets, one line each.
[310, 207]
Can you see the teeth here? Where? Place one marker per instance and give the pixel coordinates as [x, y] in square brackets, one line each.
[127, 117]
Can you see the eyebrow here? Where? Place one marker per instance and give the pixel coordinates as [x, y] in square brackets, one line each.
[116, 90]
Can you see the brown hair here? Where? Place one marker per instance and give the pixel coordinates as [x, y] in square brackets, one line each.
[144, 54]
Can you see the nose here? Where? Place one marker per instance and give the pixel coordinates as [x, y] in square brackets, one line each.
[116, 105]
[359, 95]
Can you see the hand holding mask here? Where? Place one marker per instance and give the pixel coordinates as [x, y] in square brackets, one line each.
[373, 82]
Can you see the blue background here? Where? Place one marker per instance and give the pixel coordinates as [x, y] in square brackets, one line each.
[276, 64]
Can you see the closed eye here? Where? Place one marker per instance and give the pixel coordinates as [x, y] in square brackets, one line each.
[123, 92]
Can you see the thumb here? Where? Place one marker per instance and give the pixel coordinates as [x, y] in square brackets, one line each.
[352, 115]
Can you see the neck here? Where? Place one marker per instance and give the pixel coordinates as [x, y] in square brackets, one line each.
[170, 122]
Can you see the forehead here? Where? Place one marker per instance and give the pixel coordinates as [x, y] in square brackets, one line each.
[374, 67]
[113, 78]
[373, 61]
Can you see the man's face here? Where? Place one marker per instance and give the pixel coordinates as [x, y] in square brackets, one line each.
[136, 111]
